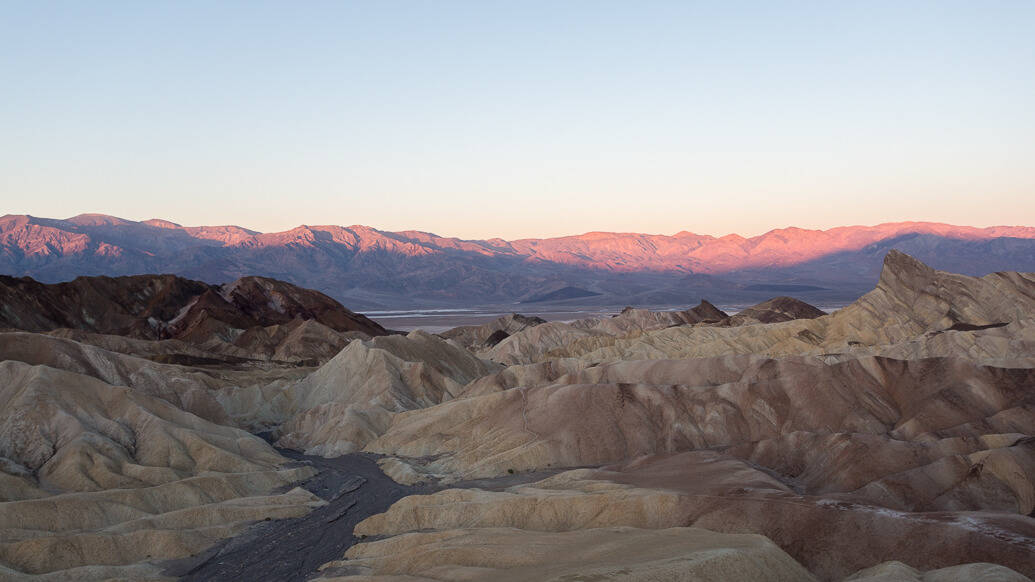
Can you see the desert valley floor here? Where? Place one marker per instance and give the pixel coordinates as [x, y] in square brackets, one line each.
[158, 428]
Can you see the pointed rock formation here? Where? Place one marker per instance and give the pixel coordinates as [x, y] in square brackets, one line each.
[776, 310]
[352, 399]
[476, 337]
[914, 312]
[912, 298]
[640, 320]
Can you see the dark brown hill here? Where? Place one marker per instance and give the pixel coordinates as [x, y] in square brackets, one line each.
[159, 307]
[776, 310]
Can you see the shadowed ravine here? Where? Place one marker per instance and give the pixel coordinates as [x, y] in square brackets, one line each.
[292, 549]
[289, 550]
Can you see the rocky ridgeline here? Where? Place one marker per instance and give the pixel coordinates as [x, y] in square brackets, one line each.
[371, 268]
[252, 318]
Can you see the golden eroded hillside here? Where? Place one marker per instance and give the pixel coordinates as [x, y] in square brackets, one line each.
[893, 439]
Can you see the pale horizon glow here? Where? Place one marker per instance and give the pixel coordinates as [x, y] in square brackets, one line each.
[528, 120]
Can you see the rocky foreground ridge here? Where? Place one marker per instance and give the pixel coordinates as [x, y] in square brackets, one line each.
[893, 439]
[370, 268]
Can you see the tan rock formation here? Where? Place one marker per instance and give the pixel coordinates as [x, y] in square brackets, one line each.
[899, 572]
[639, 320]
[351, 399]
[185, 388]
[616, 553]
[110, 476]
[475, 337]
[912, 304]
[693, 404]
[832, 539]
[893, 439]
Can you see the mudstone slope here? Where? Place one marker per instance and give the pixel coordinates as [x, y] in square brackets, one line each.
[893, 439]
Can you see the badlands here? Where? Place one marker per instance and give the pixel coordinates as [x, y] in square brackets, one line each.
[158, 428]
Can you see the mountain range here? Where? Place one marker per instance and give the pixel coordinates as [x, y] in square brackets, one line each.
[367, 268]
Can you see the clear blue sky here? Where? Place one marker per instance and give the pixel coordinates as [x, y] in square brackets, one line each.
[478, 119]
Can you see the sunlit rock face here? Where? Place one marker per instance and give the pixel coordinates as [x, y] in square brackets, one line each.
[369, 268]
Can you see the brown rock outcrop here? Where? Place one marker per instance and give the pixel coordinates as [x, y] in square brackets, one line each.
[475, 337]
[250, 318]
[776, 310]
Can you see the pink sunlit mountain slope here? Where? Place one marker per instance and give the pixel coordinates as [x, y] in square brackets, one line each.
[370, 267]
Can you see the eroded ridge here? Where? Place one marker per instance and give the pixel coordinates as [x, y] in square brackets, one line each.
[893, 439]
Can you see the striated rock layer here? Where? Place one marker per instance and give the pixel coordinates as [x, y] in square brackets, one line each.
[615, 553]
[893, 439]
[909, 414]
[915, 311]
[101, 475]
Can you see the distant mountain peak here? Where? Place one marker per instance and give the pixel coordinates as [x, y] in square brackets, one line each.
[386, 268]
[96, 219]
[160, 223]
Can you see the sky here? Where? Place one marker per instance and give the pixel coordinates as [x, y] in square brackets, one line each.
[520, 119]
